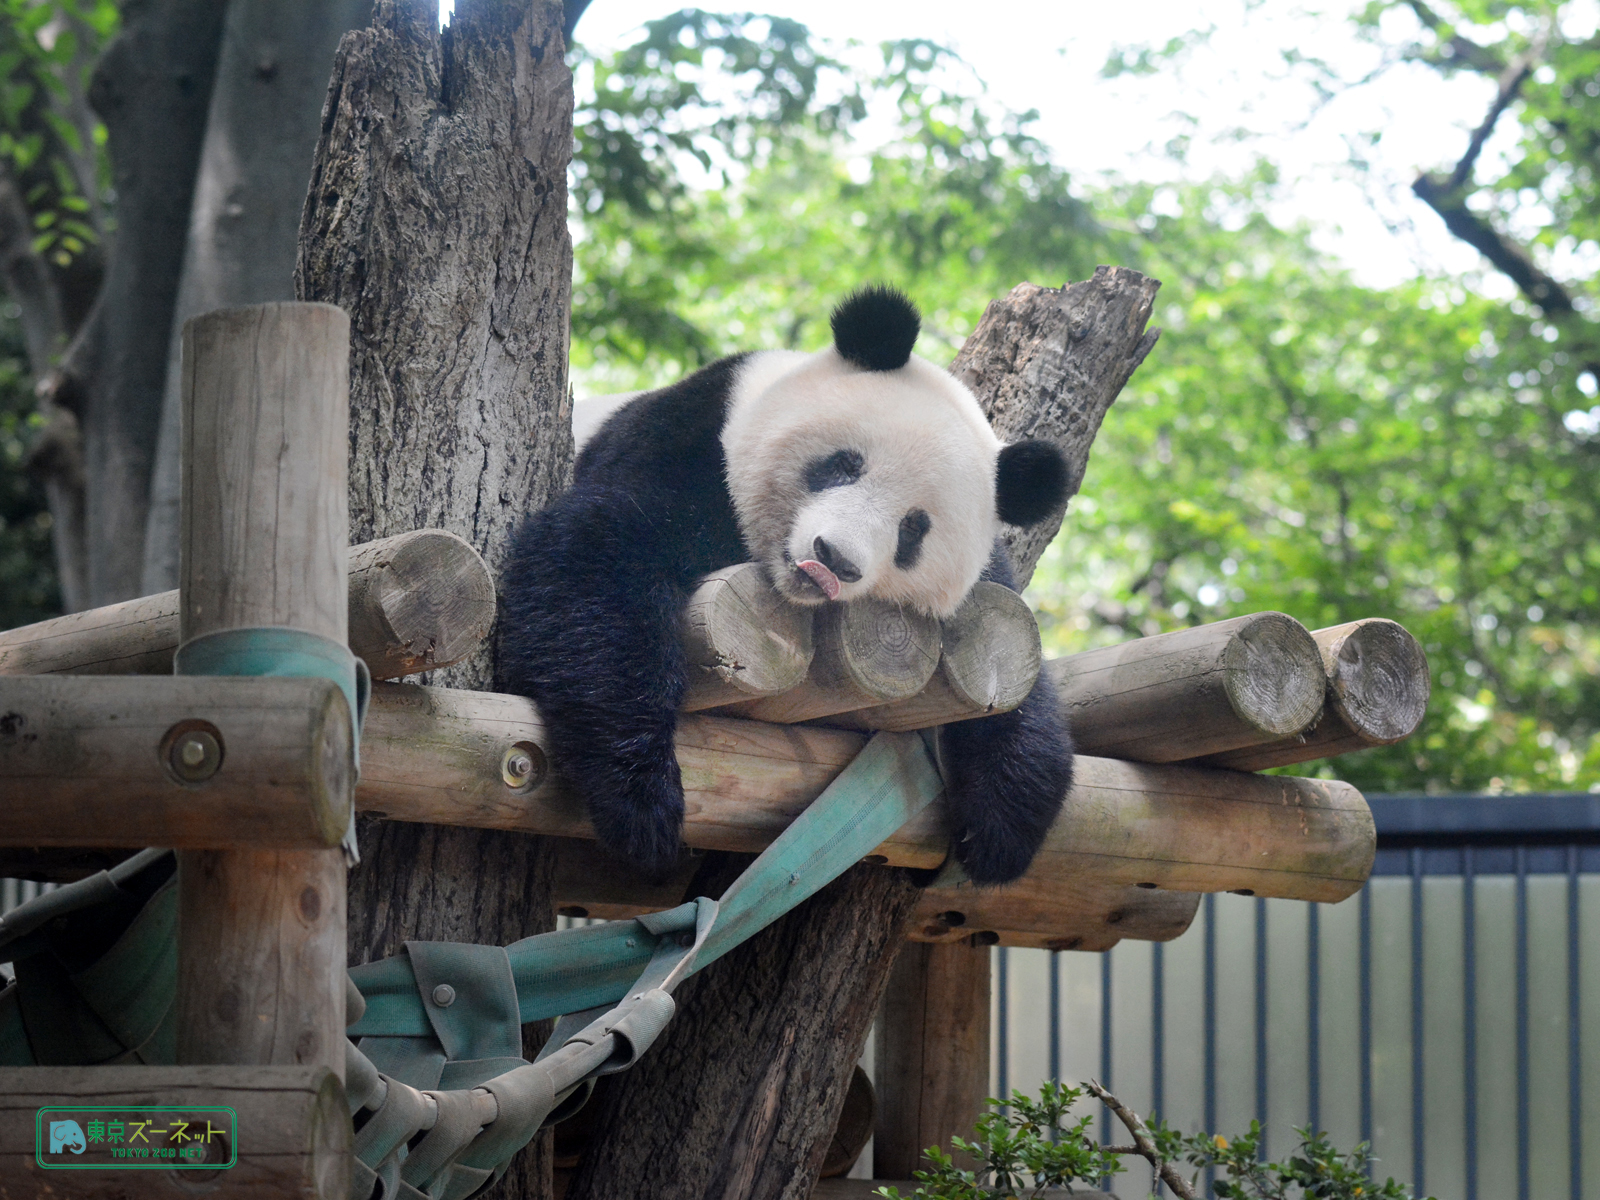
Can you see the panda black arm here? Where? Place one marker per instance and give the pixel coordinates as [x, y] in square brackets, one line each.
[1006, 775]
[592, 599]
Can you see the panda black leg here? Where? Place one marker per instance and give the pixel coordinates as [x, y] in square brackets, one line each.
[590, 634]
[1006, 775]
[1005, 779]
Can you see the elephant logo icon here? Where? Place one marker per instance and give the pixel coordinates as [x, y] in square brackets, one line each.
[66, 1135]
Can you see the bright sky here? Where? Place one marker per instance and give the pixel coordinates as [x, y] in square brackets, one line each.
[1048, 56]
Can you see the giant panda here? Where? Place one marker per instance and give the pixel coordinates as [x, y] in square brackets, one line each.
[860, 470]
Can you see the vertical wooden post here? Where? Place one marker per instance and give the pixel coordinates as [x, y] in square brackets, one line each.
[932, 1053]
[264, 541]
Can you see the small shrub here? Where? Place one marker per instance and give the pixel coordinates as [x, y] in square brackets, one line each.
[1023, 1146]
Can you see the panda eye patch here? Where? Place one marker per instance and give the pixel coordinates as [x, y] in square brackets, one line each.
[914, 527]
[838, 469]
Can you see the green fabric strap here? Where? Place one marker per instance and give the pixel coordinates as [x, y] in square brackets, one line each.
[292, 653]
[889, 782]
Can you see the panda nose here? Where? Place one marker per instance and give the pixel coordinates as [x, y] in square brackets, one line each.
[841, 566]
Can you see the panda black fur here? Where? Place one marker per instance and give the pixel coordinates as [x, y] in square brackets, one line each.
[857, 471]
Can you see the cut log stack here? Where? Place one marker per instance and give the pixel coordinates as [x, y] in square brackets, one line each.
[781, 699]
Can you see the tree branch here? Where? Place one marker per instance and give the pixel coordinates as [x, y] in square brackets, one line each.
[1463, 50]
[1143, 1143]
[1510, 84]
[1504, 254]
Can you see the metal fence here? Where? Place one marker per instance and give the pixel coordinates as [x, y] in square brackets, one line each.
[1446, 1014]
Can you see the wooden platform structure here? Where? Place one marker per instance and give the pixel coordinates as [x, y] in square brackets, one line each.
[253, 779]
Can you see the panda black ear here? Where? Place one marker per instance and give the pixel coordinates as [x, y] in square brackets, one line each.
[875, 328]
[1031, 482]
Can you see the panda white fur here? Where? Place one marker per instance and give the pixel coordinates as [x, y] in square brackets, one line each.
[857, 471]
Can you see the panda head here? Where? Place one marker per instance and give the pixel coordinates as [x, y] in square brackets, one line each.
[864, 471]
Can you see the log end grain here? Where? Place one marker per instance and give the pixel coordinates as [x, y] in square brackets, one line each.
[988, 663]
[884, 651]
[1273, 674]
[742, 639]
[1377, 679]
[418, 602]
[991, 650]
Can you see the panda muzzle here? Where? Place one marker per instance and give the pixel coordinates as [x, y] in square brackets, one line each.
[825, 579]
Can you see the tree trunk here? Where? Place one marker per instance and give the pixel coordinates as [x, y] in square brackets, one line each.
[266, 105]
[741, 1094]
[437, 218]
[152, 87]
[739, 1100]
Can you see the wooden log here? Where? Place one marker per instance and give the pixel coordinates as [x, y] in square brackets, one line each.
[1195, 692]
[1053, 914]
[454, 757]
[988, 660]
[932, 1052]
[182, 761]
[1377, 694]
[264, 540]
[1198, 829]
[418, 601]
[136, 637]
[294, 1134]
[441, 755]
[742, 639]
[867, 653]
[1048, 914]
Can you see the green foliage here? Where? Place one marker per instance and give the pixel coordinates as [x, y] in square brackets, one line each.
[52, 147]
[1295, 441]
[1545, 189]
[1021, 1147]
[1316, 1171]
[960, 200]
[1025, 1146]
[1301, 443]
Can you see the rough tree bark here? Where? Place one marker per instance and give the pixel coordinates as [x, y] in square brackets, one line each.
[265, 115]
[437, 218]
[738, 1099]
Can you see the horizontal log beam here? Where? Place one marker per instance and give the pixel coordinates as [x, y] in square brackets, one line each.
[1052, 914]
[480, 759]
[1377, 694]
[293, 1126]
[1195, 692]
[190, 762]
[418, 601]
[1199, 829]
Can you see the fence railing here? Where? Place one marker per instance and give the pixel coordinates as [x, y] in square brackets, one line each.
[1447, 1014]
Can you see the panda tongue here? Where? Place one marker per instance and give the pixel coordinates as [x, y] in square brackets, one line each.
[822, 577]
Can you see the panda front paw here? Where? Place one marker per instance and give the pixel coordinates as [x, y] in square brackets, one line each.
[636, 803]
[1006, 777]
